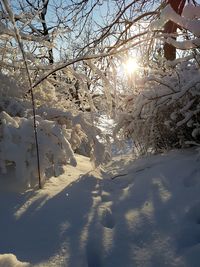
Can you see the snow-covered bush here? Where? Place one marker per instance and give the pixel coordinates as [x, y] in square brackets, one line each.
[17, 148]
[12, 96]
[82, 134]
[77, 136]
[62, 130]
[165, 113]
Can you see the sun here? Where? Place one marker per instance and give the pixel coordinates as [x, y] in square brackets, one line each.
[131, 66]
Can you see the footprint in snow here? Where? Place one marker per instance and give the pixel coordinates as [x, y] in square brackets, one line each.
[107, 218]
[105, 197]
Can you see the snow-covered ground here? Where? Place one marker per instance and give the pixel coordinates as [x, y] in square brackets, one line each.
[141, 213]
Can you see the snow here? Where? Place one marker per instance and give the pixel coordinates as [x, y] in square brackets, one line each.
[188, 20]
[128, 212]
[18, 150]
[184, 45]
[141, 213]
[191, 12]
[10, 260]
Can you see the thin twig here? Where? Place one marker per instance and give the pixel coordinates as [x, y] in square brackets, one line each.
[18, 38]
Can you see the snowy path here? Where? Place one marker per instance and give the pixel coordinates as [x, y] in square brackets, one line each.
[147, 216]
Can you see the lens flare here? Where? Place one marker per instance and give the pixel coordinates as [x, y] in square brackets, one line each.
[131, 66]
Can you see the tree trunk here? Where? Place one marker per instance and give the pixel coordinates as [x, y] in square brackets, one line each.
[45, 29]
[171, 27]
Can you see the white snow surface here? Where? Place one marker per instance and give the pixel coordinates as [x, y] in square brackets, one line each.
[17, 149]
[141, 213]
[10, 260]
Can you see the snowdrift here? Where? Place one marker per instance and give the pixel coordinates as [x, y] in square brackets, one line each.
[141, 213]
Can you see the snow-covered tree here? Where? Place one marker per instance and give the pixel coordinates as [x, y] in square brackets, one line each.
[164, 111]
[59, 60]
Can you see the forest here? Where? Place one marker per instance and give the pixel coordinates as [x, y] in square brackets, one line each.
[99, 133]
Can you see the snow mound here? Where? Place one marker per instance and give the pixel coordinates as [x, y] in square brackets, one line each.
[10, 260]
[18, 150]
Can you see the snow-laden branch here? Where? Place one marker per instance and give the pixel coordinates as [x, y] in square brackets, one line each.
[160, 81]
[168, 14]
[86, 57]
[184, 45]
[191, 12]
[4, 30]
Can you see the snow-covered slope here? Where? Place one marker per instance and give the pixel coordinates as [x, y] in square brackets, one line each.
[142, 213]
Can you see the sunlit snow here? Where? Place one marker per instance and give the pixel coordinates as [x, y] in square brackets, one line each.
[130, 213]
